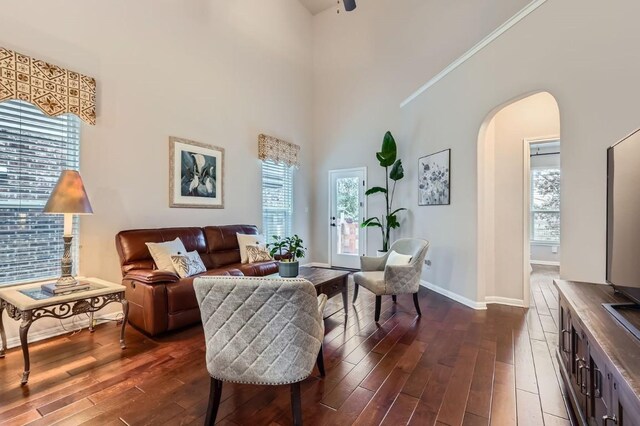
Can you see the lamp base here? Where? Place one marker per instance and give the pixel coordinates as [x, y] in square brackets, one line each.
[57, 289]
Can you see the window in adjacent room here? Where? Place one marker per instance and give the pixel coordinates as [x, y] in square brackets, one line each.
[545, 205]
[277, 199]
[34, 149]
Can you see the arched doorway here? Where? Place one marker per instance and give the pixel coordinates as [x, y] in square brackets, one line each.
[509, 226]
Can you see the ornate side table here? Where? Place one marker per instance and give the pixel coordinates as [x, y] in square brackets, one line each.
[27, 303]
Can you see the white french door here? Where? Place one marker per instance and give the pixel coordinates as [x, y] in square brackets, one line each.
[347, 210]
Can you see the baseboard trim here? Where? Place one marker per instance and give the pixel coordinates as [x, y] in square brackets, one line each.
[454, 296]
[59, 330]
[317, 265]
[544, 262]
[497, 300]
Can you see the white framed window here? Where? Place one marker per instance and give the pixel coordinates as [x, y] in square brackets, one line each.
[277, 199]
[34, 149]
[545, 205]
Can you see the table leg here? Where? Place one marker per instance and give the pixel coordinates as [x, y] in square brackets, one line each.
[24, 330]
[91, 328]
[345, 294]
[3, 335]
[125, 315]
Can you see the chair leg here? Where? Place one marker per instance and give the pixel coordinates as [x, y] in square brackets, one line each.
[394, 298]
[355, 292]
[320, 362]
[296, 404]
[215, 393]
[378, 303]
[415, 302]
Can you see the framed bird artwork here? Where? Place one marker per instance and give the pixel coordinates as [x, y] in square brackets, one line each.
[196, 173]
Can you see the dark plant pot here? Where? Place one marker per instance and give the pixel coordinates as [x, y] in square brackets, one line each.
[289, 269]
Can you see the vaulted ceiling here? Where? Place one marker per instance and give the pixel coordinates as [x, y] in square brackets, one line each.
[317, 6]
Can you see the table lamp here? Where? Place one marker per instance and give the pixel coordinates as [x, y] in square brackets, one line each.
[68, 197]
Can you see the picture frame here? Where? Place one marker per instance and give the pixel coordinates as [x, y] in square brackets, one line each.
[196, 174]
[434, 179]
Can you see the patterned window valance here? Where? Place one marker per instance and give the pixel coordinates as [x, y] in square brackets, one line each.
[278, 151]
[53, 89]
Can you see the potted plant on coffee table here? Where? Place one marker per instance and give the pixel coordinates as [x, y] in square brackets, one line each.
[289, 250]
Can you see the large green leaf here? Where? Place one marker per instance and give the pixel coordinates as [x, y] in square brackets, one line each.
[392, 221]
[375, 190]
[387, 155]
[393, 213]
[371, 222]
[397, 172]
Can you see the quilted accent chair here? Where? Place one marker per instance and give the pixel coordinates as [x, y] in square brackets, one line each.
[382, 279]
[260, 331]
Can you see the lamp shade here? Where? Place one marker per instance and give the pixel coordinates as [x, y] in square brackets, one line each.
[69, 195]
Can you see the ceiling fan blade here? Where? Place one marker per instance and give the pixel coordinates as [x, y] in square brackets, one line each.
[349, 5]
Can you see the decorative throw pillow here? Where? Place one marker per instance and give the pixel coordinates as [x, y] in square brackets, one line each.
[161, 253]
[396, 258]
[244, 240]
[258, 253]
[188, 264]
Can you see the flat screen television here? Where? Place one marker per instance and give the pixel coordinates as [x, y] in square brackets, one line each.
[623, 216]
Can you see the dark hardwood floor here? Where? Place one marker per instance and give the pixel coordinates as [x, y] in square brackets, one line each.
[452, 366]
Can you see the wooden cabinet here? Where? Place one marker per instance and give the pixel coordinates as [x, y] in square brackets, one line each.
[599, 359]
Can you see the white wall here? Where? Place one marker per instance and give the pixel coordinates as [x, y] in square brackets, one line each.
[365, 63]
[579, 51]
[534, 117]
[218, 72]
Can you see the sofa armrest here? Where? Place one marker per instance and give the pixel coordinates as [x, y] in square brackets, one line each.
[148, 276]
[368, 263]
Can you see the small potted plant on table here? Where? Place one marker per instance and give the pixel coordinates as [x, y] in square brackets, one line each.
[289, 250]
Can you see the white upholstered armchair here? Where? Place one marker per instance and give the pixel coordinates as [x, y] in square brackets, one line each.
[383, 279]
[260, 331]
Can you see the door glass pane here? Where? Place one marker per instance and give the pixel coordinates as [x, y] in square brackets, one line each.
[546, 226]
[545, 191]
[348, 213]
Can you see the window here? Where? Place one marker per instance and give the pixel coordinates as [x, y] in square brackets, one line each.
[277, 199]
[34, 149]
[545, 205]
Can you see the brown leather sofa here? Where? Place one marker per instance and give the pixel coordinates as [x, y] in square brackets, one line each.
[160, 301]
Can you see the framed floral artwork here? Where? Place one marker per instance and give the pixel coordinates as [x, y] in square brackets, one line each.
[434, 179]
[196, 173]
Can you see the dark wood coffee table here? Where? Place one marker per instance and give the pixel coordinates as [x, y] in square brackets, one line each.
[327, 281]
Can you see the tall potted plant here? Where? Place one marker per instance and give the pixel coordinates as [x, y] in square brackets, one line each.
[392, 170]
[289, 249]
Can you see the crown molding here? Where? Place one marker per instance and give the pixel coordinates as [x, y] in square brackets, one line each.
[475, 49]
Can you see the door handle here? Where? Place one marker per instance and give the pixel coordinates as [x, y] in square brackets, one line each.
[605, 420]
[564, 346]
[333, 221]
[597, 388]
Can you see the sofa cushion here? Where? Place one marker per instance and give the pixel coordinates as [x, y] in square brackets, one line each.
[162, 252]
[244, 240]
[188, 264]
[133, 251]
[222, 243]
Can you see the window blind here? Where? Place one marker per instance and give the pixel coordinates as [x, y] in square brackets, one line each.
[34, 149]
[545, 205]
[277, 199]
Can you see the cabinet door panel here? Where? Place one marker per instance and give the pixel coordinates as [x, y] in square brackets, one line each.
[599, 399]
[579, 366]
[627, 410]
